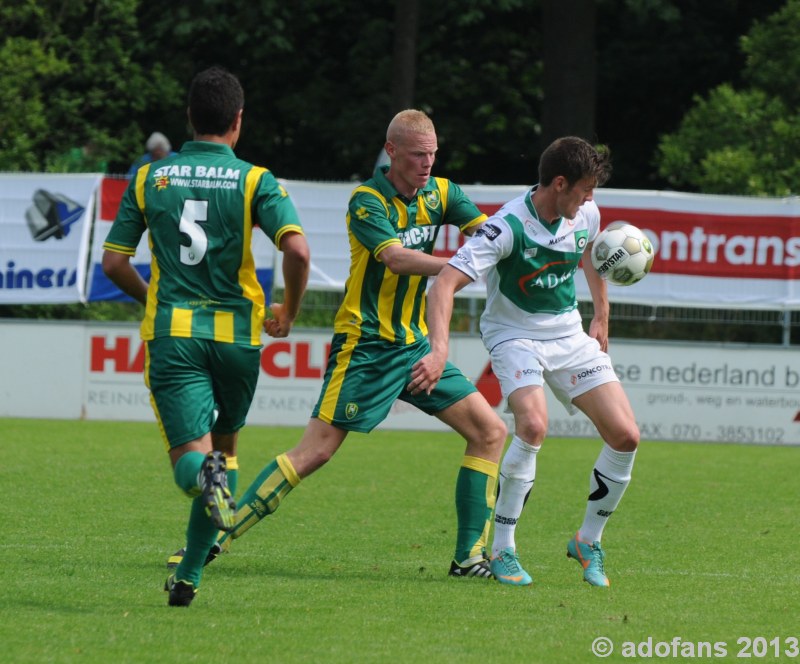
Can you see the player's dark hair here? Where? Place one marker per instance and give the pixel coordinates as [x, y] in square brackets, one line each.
[574, 159]
[215, 97]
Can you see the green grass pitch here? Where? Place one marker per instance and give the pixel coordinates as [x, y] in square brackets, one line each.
[352, 568]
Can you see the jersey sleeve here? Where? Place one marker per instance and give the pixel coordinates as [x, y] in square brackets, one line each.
[461, 211]
[368, 221]
[491, 243]
[273, 209]
[129, 224]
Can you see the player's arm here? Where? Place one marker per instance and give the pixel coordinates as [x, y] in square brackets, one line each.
[598, 328]
[410, 261]
[118, 268]
[296, 265]
[123, 238]
[427, 371]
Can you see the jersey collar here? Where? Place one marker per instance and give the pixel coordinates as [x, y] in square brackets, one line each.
[388, 190]
[532, 209]
[196, 147]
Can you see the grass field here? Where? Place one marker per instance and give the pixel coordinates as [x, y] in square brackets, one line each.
[352, 568]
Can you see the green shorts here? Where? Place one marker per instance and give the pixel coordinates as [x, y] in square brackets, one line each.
[199, 385]
[365, 376]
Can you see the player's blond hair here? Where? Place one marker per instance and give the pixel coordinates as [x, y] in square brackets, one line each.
[410, 121]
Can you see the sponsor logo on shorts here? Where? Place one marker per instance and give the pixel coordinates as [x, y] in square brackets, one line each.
[588, 373]
[519, 373]
[351, 410]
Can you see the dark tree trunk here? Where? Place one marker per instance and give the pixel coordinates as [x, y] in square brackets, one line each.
[404, 58]
[569, 60]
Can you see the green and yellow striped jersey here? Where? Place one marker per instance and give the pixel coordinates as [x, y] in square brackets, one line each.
[200, 207]
[377, 302]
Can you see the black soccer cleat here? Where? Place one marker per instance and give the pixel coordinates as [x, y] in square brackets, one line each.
[220, 505]
[181, 593]
[175, 559]
[476, 566]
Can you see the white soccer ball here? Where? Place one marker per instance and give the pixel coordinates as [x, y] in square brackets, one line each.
[622, 254]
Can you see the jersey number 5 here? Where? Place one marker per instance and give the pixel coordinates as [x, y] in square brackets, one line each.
[193, 211]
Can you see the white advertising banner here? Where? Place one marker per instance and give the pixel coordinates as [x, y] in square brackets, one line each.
[679, 392]
[719, 251]
[45, 223]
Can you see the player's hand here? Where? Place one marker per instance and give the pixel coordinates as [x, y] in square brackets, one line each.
[425, 374]
[599, 330]
[280, 324]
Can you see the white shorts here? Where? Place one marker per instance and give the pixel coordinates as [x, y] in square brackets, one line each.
[571, 366]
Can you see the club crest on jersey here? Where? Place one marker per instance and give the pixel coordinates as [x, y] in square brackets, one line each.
[581, 240]
[351, 410]
[491, 231]
[432, 199]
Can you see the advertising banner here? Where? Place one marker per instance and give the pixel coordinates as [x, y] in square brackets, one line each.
[718, 251]
[45, 223]
[714, 251]
[679, 392]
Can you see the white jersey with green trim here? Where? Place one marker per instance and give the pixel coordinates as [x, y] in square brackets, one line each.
[529, 266]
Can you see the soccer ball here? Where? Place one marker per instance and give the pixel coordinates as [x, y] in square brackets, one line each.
[622, 254]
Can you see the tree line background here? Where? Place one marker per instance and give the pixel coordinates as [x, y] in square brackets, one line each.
[691, 95]
[695, 95]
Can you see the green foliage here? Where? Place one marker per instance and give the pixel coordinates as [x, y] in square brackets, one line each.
[98, 311]
[26, 68]
[75, 74]
[317, 79]
[744, 141]
[773, 54]
[352, 567]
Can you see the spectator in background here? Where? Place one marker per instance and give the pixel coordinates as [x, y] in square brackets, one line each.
[158, 147]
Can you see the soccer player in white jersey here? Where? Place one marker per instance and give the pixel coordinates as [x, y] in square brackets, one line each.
[529, 252]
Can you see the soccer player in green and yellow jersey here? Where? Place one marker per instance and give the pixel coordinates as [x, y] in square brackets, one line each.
[204, 308]
[380, 332]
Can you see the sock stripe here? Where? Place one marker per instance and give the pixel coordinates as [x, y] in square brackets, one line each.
[480, 465]
[288, 470]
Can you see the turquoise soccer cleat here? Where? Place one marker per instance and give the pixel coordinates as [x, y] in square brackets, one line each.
[591, 558]
[506, 568]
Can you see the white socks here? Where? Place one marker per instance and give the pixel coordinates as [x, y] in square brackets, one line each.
[517, 473]
[607, 483]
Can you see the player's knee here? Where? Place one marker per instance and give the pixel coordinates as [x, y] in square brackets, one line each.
[532, 431]
[488, 439]
[496, 433]
[626, 440]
